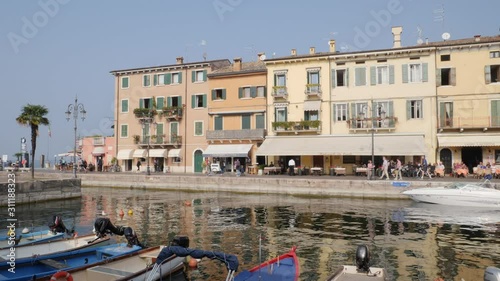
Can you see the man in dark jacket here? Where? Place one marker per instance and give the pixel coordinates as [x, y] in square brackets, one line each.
[56, 225]
[103, 226]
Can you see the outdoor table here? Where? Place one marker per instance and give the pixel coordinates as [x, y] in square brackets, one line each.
[318, 171]
[269, 170]
[339, 171]
[360, 171]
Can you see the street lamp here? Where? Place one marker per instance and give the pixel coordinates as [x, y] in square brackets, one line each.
[373, 138]
[146, 120]
[74, 109]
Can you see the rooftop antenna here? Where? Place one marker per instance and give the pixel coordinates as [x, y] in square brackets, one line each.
[203, 44]
[419, 32]
[251, 49]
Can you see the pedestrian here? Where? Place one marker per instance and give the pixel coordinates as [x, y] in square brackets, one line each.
[138, 165]
[237, 165]
[385, 168]
[291, 167]
[425, 168]
[155, 163]
[369, 170]
[398, 170]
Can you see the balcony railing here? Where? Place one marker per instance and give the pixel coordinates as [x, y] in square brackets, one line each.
[156, 140]
[378, 123]
[280, 92]
[173, 112]
[297, 126]
[313, 90]
[470, 122]
[144, 112]
[247, 134]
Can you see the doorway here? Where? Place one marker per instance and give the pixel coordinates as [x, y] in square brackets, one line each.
[445, 158]
[198, 161]
[471, 156]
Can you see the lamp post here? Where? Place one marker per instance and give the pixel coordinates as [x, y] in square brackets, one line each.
[75, 109]
[146, 121]
[373, 138]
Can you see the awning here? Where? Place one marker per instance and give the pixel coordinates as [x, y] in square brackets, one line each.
[313, 105]
[125, 154]
[174, 152]
[157, 153]
[460, 140]
[384, 145]
[99, 150]
[140, 153]
[227, 150]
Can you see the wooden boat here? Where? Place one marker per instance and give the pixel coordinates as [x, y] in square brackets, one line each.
[29, 238]
[56, 246]
[48, 265]
[362, 271]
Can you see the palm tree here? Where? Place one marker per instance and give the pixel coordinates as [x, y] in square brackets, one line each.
[33, 116]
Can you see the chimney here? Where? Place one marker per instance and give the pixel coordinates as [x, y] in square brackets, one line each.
[396, 33]
[332, 46]
[261, 56]
[312, 50]
[294, 52]
[237, 64]
[180, 60]
[477, 38]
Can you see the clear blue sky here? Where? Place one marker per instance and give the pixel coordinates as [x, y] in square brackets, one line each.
[52, 50]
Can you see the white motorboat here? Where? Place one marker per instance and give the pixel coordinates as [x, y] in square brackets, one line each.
[361, 271]
[459, 194]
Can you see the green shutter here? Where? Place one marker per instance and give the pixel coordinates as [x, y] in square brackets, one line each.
[204, 100]
[495, 113]
[245, 122]
[160, 102]
[334, 111]
[218, 123]
[275, 114]
[333, 78]
[442, 117]
[391, 114]
[169, 101]
[124, 131]
[159, 129]
[408, 109]
[223, 94]
[193, 76]
[373, 75]
[259, 121]
[265, 91]
[253, 92]
[438, 77]
[141, 103]
[180, 77]
[286, 114]
[347, 77]
[155, 80]
[124, 82]
[214, 94]
[453, 76]
[487, 74]
[168, 79]
[179, 99]
[425, 72]
[391, 74]
[204, 75]
[124, 105]
[193, 101]
[405, 73]
[240, 93]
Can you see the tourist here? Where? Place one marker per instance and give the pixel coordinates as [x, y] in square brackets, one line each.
[369, 170]
[291, 167]
[385, 168]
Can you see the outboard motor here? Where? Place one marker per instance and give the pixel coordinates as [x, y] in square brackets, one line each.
[363, 258]
[56, 225]
[492, 274]
[182, 241]
[131, 237]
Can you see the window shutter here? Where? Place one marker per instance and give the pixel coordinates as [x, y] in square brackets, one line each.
[353, 110]
[179, 99]
[204, 100]
[253, 92]
[124, 105]
[168, 79]
[333, 78]
[334, 111]
[159, 102]
[124, 131]
[408, 109]
[141, 103]
[347, 77]
[193, 76]
[347, 111]
[405, 73]
[442, 117]
[245, 122]
[275, 80]
[193, 101]
[391, 74]
[373, 75]
[213, 94]
[204, 75]
[487, 74]
[438, 77]
[159, 130]
[425, 72]
[453, 76]
[180, 77]
[286, 114]
[391, 114]
[240, 93]
[223, 94]
[275, 113]
[124, 82]
[169, 101]
[495, 114]
[155, 80]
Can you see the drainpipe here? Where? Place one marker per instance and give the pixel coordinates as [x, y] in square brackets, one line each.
[185, 120]
[436, 157]
[117, 109]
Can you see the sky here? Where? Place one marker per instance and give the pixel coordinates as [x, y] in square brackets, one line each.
[52, 51]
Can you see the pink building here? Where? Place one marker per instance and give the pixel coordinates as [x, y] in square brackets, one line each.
[98, 148]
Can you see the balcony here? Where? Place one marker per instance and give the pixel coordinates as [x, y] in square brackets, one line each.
[173, 112]
[477, 122]
[280, 92]
[305, 126]
[158, 140]
[379, 124]
[98, 141]
[144, 112]
[246, 134]
[313, 90]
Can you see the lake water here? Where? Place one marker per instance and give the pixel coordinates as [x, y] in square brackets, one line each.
[412, 241]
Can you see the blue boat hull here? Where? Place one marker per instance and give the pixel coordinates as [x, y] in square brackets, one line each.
[30, 238]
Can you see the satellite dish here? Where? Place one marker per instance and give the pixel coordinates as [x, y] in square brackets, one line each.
[262, 57]
[420, 41]
[446, 36]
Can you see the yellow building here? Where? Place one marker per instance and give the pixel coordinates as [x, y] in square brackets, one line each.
[161, 116]
[236, 114]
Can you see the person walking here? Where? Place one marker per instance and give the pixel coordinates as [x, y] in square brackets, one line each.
[425, 168]
[291, 167]
[369, 170]
[398, 173]
[138, 165]
[237, 165]
[385, 168]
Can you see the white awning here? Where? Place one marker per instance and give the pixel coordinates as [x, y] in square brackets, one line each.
[125, 154]
[384, 145]
[174, 152]
[157, 153]
[313, 105]
[140, 153]
[463, 140]
[227, 150]
[99, 150]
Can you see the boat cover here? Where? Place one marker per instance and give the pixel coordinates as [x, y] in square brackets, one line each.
[231, 261]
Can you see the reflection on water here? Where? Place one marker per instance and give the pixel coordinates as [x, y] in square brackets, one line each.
[413, 242]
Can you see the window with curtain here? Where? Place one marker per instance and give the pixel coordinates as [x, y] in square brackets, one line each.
[416, 72]
[341, 112]
[281, 114]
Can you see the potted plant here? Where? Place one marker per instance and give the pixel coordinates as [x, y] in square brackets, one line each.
[136, 138]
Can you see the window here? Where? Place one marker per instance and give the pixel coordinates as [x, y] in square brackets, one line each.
[311, 115]
[382, 75]
[125, 82]
[177, 160]
[495, 113]
[245, 122]
[198, 101]
[219, 94]
[359, 114]
[445, 57]
[414, 109]
[261, 91]
[260, 121]
[198, 76]
[415, 73]
[124, 106]
[446, 114]
[160, 102]
[341, 113]
[146, 103]
[313, 81]
[495, 54]
[160, 79]
[383, 110]
[176, 78]
[198, 128]
[146, 80]
[124, 131]
[348, 159]
[281, 114]
[280, 80]
[175, 101]
[341, 78]
[446, 77]
[218, 123]
[492, 73]
[360, 76]
[245, 92]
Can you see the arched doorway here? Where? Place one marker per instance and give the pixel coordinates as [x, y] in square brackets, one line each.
[198, 161]
[445, 157]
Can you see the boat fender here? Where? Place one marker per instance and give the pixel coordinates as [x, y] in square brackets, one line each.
[492, 274]
[61, 274]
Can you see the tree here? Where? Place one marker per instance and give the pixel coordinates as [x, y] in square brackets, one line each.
[19, 156]
[33, 116]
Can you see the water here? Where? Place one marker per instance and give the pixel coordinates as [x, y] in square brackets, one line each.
[412, 241]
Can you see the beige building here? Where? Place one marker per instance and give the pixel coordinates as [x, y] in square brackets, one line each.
[236, 114]
[161, 113]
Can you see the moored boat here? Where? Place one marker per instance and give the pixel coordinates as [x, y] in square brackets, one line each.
[29, 238]
[361, 271]
[282, 268]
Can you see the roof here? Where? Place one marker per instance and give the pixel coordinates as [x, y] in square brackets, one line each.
[246, 67]
[215, 63]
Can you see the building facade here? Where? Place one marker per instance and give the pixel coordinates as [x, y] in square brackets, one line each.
[98, 149]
